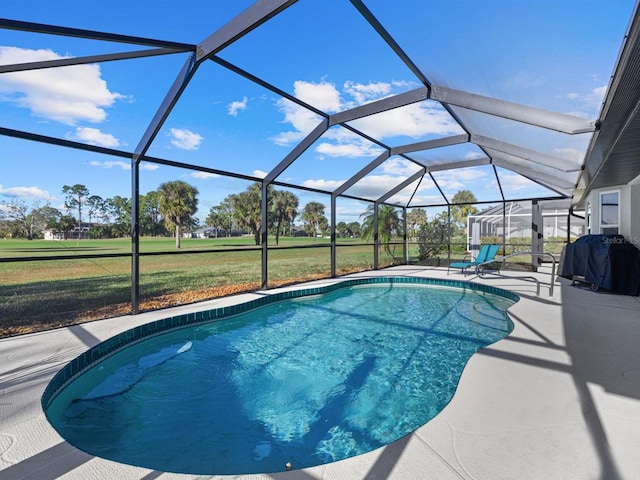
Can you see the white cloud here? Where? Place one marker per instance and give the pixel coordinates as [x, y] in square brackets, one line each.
[123, 165]
[259, 173]
[204, 175]
[458, 179]
[185, 139]
[394, 171]
[328, 185]
[427, 193]
[348, 211]
[324, 95]
[472, 155]
[374, 186]
[287, 138]
[65, 94]
[364, 93]
[302, 120]
[405, 195]
[414, 121]
[575, 155]
[512, 182]
[400, 166]
[93, 136]
[235, 107]
[110, 164]
[427, 200]
[355, 149]
[405, 84]
[588, 104]
[599, 92]
[26, 192]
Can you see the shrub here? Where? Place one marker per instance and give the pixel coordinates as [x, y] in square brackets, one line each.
[432, 239]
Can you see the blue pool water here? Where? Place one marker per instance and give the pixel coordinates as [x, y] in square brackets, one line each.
[308, 381]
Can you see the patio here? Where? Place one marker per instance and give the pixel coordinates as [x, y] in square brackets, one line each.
[558, 398]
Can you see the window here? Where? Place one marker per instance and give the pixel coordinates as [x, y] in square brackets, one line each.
[609, 212]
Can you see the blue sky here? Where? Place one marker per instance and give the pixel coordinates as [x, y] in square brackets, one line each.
[556, 55]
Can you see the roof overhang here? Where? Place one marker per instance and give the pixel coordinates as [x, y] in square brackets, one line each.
[612, 157]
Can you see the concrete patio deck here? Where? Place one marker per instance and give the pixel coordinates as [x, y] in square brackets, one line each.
[557, 399]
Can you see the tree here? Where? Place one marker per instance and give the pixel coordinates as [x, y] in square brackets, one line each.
[27, 221]
[464, 200]
[50, 216]
[247, 208]
[64, 224]
[221, 217]
[342, 230]
[388, 224]
[313, 217]
[415, 219]
[354, 228]
[178, 203]
[151, 222]
[285, 209]
[119, 210]
[432, 238]
[96, 207]
[76, 198]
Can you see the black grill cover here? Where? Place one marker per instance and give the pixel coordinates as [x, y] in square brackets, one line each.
[608, 261]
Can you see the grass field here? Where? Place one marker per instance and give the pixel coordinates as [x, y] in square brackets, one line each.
[65, 285]
[69, 289]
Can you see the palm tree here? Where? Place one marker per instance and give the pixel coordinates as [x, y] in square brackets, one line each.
[416, 218]
[462, 207]
[285, 207]
[247, 208]
[178, 202]
[388, 223]
[313, 217]
[354, 228]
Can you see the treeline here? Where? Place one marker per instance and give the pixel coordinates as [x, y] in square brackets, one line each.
[243, 211]
[171, 209]
[98, 217]
[168, 210]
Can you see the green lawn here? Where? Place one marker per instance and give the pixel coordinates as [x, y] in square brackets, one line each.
[39, 294]
[41, 248]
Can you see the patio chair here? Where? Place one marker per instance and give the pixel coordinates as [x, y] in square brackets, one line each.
[486, 254]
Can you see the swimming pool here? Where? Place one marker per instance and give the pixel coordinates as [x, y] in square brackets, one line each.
[306, 377]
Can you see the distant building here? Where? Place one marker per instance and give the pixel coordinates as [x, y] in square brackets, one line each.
[212, 232]
[79, 232]
[50, 234]
[298, 232]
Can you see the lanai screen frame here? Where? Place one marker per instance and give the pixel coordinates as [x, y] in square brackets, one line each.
[543, 169]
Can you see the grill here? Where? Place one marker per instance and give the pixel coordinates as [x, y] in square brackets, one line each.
[605, 262]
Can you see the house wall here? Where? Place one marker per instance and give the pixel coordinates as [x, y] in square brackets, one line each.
[595, 211]
[629, 211]
[634, 214]
[625, 211]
